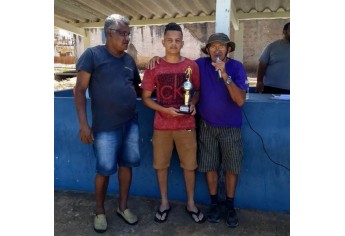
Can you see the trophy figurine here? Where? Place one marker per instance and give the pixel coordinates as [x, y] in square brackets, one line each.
[187, 86]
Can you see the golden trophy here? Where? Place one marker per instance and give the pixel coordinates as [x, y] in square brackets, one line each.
[187, 86]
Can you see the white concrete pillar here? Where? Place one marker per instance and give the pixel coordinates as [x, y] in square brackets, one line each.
[223, 8]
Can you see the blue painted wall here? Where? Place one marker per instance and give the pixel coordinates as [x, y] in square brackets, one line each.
[262, 184]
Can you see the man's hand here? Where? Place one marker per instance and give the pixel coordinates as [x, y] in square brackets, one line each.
[219, 66]
[259, 87]
[173, 111]
[192, 109]
[152, 62]
[86, 135]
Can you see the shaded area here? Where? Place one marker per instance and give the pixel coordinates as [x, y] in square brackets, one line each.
[64, 75]
[74, 213]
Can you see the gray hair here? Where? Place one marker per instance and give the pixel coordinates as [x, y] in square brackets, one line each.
[114, 19]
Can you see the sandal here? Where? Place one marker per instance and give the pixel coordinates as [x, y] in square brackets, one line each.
[161, 213]
[100, 223]
[197, 214]
[127, 216]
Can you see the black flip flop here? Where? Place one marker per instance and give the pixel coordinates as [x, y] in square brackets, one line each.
[166, 212]
[197, 214]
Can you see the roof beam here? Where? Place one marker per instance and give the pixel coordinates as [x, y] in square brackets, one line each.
[164, 21]
[178, 20]
[69, 27]
[263, 15]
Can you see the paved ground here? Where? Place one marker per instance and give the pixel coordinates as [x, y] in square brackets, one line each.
[74, 212]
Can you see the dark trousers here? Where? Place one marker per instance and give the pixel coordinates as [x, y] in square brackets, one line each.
[273, 90]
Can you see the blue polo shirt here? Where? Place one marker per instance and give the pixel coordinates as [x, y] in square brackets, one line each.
[111, 87]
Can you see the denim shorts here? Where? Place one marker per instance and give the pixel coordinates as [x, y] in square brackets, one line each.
[118, 147]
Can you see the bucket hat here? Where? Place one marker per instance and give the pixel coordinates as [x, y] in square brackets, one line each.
[219, 37]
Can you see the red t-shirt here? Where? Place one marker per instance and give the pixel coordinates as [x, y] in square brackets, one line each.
[167, 79]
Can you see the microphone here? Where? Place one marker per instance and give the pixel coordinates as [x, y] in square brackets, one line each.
[219, 72]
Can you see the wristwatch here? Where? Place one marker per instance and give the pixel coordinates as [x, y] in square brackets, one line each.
[228, 80]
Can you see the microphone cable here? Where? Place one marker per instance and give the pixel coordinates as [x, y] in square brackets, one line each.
[262, 141]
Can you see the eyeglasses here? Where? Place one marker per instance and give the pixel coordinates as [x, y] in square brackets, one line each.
[122, 33]
[220, 47]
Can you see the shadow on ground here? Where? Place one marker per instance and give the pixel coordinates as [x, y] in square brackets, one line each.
[74, 213]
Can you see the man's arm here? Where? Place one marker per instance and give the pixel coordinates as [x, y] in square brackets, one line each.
[260, 77]
[237, 94]
[138, 90]
[194, 101]
[85, 132]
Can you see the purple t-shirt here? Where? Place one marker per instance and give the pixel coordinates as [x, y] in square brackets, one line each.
[215, 105]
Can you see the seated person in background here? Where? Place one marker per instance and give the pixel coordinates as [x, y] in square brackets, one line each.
[273, 74]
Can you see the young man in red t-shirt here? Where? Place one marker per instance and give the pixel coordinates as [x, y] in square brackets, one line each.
[171, 126]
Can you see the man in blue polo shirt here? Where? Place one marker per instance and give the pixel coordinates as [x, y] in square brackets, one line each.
[112, 78]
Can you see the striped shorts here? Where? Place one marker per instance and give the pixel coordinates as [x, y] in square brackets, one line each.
[219, 146]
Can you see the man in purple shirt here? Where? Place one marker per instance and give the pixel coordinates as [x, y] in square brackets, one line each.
[222, 93]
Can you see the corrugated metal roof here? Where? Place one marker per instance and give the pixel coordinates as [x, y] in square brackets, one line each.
[79, 14]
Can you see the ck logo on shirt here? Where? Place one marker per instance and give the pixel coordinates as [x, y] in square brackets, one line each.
[170, 88]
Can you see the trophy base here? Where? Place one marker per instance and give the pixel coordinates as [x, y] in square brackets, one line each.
[184, 110]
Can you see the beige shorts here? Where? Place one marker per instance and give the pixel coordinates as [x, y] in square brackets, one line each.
[163, 145]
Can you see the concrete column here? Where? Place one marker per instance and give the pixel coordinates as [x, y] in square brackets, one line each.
[223, 16]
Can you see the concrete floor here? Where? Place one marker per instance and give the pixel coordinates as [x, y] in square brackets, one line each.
[74, 213]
